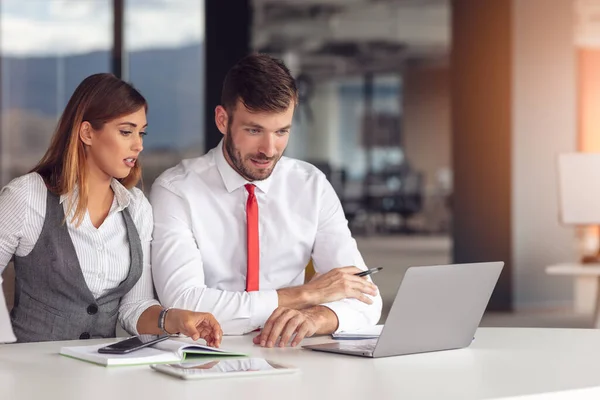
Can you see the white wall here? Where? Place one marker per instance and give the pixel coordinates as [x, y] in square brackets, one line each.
[543, 125]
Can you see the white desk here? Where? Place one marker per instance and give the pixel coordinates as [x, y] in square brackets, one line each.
[501, 362]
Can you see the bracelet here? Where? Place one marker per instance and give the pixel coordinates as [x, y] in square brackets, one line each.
[161, 319]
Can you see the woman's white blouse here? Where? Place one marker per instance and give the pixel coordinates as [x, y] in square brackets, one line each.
[103, 252]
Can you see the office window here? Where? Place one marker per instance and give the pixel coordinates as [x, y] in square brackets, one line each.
[46, 48]
[164, 43]
[374, 104]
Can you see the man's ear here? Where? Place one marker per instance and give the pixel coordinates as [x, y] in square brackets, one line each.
[85, 133]
[221, 119]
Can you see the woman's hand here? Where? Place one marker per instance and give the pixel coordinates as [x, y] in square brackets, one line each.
[195, 325]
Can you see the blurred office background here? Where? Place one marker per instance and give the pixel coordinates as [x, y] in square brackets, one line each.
[438, 122]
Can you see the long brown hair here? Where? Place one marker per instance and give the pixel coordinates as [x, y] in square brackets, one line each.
[100, 98]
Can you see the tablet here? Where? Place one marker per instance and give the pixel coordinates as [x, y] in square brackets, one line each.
[224, 368]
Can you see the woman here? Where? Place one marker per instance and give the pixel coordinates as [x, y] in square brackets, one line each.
[80, 231]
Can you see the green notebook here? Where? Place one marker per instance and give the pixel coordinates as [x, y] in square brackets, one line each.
[168, 351]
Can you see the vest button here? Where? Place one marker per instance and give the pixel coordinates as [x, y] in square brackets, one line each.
[84, 335]
[92, 309]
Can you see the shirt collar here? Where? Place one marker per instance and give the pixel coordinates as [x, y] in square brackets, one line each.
[122, 195]
[231, 178]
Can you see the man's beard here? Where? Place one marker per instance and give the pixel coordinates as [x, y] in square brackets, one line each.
[236, 158]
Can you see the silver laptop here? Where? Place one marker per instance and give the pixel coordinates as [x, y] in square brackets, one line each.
[436, 308]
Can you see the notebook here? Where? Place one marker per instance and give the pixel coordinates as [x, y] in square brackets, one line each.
[168, 351]
[370, 332]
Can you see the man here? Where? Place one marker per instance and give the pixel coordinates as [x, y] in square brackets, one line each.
[235, 228]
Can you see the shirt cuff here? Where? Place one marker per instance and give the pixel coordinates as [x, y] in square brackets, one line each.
[344, 315]
[350, 318]
[130, 313]
[262, 305]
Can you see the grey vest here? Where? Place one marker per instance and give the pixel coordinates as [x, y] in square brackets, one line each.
[52, 300]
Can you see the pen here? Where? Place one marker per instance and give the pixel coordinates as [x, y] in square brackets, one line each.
[369, 271]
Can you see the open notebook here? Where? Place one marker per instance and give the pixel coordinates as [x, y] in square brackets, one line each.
[168, 351]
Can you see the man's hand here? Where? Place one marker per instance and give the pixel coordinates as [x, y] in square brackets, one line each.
[286, 323]
[195, 325]
[341, 283]
[337, 284]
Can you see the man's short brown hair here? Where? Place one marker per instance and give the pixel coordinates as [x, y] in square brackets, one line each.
[261, 83]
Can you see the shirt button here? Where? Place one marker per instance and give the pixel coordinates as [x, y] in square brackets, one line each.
[84, 335]
[92, 309]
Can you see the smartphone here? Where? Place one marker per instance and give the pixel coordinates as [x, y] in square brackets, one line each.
[132, 344]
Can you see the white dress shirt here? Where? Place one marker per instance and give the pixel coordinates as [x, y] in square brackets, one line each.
[199, 246]
[103, 252]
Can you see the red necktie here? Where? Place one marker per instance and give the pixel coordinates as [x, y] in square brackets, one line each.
[252, 240]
